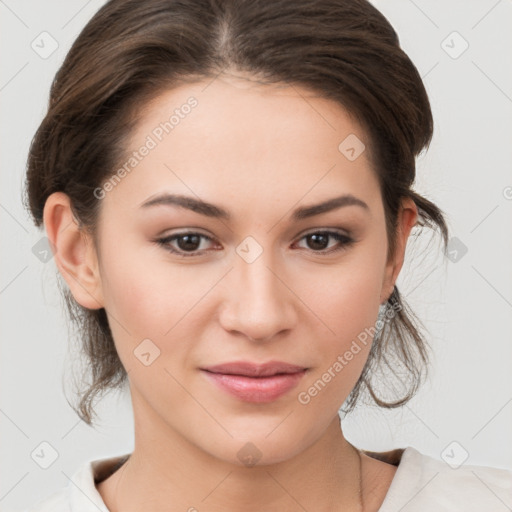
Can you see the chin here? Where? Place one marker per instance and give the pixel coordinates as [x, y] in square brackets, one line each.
[262, 447]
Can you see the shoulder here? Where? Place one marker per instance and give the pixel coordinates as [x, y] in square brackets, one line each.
[423, 483]
[57, 502]
[80, 493]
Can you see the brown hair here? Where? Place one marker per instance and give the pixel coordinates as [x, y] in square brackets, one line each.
[131, 50]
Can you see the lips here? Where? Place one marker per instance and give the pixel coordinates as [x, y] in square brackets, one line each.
[255, 370]
[253, 382]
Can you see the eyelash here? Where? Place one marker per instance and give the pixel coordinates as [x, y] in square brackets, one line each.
[345, 240]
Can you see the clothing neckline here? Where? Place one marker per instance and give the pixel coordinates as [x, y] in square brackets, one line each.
[392, 457]
[104, 468]
[101, 469]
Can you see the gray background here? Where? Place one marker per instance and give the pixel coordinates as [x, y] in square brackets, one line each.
[466, 304]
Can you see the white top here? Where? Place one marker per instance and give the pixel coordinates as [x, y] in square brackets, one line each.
[420, 484]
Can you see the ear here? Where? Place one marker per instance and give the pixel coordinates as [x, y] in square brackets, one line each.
[74, 251]
[407, 217]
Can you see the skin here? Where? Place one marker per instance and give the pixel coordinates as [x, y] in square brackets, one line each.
[258, 151]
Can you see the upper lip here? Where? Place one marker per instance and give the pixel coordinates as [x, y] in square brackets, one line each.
[249, 369]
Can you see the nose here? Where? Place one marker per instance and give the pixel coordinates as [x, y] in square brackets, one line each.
[258, 302]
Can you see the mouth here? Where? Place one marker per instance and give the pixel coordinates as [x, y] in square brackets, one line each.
[251, 382]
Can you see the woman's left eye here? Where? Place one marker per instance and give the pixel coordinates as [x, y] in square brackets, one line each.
[321, 238]
[189, 243]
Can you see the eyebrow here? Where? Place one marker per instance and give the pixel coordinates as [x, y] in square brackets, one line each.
[211, 210]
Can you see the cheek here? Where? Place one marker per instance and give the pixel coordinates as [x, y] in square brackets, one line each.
[351, 314]
[134, 293]
[347, 298]
[149, 297]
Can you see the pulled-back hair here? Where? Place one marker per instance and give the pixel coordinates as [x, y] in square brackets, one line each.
[132, 50]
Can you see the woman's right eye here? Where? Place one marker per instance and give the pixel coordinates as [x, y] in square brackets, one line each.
[188, 243]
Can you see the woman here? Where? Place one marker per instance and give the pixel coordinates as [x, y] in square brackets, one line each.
[227, 186]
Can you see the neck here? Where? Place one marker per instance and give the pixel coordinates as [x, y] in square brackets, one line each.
[165, 469]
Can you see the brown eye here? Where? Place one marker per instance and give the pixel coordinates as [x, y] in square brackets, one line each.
[318, 241]
[187, 244]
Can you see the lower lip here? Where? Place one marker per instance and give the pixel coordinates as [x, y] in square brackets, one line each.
[256, 389]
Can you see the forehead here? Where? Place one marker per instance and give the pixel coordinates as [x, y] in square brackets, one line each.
[237, 107]
[249, 141]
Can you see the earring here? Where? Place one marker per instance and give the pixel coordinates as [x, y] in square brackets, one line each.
[381, 320]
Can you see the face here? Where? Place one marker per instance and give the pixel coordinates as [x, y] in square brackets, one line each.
[261, 280]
